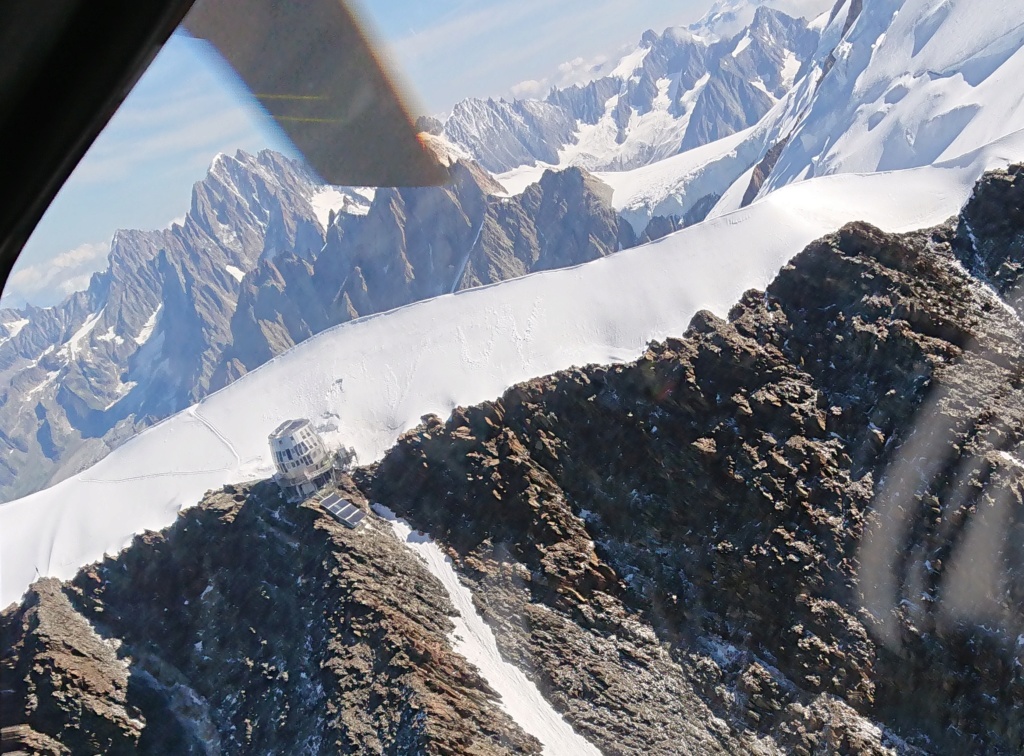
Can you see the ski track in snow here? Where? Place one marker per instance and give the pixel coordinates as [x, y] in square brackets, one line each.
[198, 415]
[473, 639]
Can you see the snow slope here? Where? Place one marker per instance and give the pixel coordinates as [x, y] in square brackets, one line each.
[914, 82]
[473, 639]
[669, 187]
[366, 381]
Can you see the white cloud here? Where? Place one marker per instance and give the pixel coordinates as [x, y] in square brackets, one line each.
[47, 282]
[530, 89]
[582, 70]
[579, 70]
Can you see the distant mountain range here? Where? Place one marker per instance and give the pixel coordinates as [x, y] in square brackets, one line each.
[256, 267]
[144, 339]
[676, 91]
[268, 255]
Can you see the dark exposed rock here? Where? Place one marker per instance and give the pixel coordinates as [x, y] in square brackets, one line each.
[660, 227]
[763, 170]
[796, 530]
[729, 103]
[421, 243]
[701, 209]
[990, 243]
[250, 626]
[855, 9]
[429, 125]
[737, 484]
[563, 220]
[74, 685]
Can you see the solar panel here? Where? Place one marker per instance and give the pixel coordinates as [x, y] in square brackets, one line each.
[345, 511]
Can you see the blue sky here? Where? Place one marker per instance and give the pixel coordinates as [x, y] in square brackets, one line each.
[188, 107]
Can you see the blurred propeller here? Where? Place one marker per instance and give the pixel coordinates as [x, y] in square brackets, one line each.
[312, 69]
[66, 66]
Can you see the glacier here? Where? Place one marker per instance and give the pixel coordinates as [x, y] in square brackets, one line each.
[910, 83]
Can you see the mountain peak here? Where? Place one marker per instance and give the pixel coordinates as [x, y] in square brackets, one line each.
[649, 37]
[727, 18]
[672, 92]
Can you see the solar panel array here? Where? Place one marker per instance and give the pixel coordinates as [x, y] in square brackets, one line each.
[345, 512]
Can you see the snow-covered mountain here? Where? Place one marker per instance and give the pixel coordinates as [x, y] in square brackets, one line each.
[144, 339]
[160, 328]
[366, 381]
[686, 538]
[727, 18]
[676, 91]
[559, 505]
[893, 84]
[415, 244]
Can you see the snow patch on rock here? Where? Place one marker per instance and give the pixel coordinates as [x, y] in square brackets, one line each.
[474, 640]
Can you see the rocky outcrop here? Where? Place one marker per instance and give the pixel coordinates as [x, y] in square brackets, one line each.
[763, 170]
[727, 104]
[250, 626]
[502, 135]
[74, 687]
[563, 220]
[817, 505]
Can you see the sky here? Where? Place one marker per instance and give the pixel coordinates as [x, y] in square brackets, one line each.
[188, 107]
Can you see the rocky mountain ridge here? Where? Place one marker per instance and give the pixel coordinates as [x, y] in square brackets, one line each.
[757, 491]
[678, 551]
[416, 244]
[328, 641]
[141, 341]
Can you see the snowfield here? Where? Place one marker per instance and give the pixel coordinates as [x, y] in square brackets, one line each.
[366, 381]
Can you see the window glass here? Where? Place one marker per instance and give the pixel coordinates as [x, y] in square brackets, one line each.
[683, 416]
